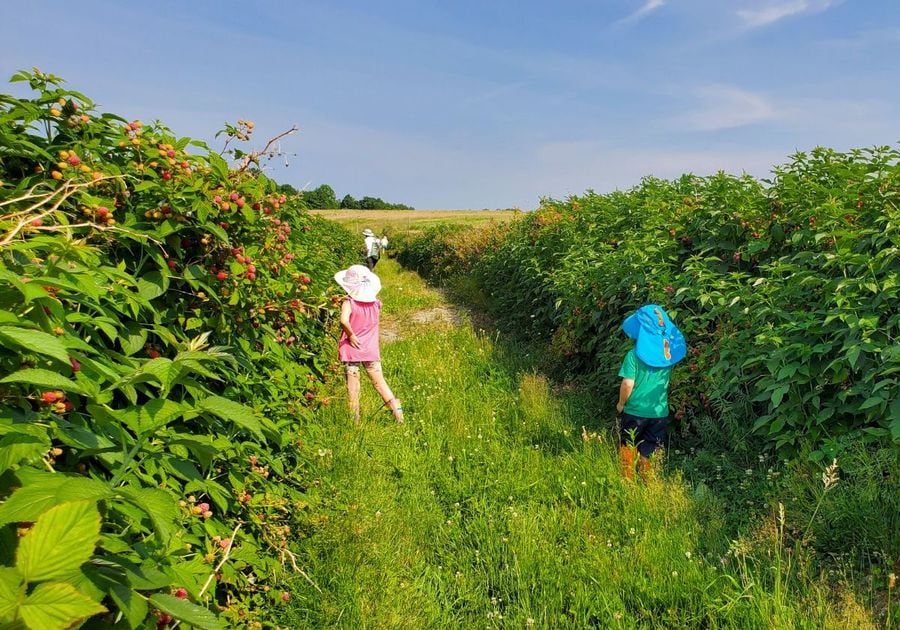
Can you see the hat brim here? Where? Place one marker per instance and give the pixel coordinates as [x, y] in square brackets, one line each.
[631, 326]
[366, 291]
[661, 351]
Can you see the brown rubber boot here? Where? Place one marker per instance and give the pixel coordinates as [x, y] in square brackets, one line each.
[645, 466]
[626, 460]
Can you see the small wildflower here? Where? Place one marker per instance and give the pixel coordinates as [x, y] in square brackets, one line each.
[631, 531]
[674, 573]
[830, 476]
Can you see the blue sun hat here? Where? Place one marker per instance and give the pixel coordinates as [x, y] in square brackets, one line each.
[658, 342]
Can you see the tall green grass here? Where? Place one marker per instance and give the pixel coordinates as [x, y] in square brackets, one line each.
[499, 504]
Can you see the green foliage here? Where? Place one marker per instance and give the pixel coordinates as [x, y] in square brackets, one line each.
[786, 291]
[322, 198]
[287, 189]
[162, 320]
[448, 250]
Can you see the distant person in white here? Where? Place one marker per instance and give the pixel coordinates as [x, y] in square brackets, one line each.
[374, 246]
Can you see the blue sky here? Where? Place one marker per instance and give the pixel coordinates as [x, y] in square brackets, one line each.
[490, 103]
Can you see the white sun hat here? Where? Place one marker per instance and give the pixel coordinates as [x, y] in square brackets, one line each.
[368, 232]
[359, 283]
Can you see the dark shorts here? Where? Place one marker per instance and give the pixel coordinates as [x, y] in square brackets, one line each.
[371, 261]
[648, 434]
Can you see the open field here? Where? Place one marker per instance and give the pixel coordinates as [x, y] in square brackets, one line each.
[410, 221]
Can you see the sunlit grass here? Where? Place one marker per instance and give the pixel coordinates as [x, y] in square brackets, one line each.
[492, 507]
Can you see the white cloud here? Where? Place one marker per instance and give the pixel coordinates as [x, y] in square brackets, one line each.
[646, 9]
[773, 12]
[727, 107]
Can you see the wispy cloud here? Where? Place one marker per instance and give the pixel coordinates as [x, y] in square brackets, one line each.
[646, 9]
[774, 11]
[727, 107]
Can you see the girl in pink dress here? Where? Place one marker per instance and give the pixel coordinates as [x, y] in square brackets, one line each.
[358, 346]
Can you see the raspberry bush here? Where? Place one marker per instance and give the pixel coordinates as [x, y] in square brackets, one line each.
[162, 319]
[787, 290]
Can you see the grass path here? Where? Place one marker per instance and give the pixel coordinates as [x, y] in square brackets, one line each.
[489, 508]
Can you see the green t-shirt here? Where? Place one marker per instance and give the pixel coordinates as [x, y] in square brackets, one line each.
[650, 397]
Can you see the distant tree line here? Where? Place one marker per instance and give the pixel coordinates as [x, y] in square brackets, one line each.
[324, 197]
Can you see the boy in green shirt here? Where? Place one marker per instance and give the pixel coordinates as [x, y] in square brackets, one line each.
[644, 392]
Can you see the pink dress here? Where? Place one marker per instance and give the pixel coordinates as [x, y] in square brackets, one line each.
[364, 322]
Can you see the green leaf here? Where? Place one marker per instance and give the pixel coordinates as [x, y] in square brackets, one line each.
[11, 587]
[45, 491]
[133, 605]
[235, 412]
[778, 395]
[62, 539]
[43, 378]
[152, 285]
[133, 338]
[874, 401]
[185, 611]
[159, 505]
[16, 446]
[35, 341]
[57, 606]
[158, 413]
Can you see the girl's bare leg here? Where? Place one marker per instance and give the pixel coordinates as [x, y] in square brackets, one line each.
[353, 391]
[381, 386]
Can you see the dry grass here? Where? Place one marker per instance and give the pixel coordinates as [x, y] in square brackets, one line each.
[411, 221]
